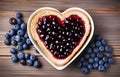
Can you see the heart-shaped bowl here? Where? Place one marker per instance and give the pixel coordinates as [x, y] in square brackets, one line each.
[81, 49]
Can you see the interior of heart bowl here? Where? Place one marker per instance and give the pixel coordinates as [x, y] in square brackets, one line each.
[61, 37]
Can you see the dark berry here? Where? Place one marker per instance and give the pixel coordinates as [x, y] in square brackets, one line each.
[110, 60]
[106, 65]
[29, 62]
[92, 45]
[26, 35]
[13, 51]
[20, 32]
[95, 50]
[98, 43]
[18, 15]
[27, 55]
[19, 21]
[99, 55]
[16, 27]
[104, 42]
[92, 55]
[12, 21]
[101, 68]
[28, 41]
[21, 55]
[18, 38]
[78, 64]
[87, 56]
[101, 48]
[89, 50]
[85, 70]
[90, 66]
[105, 59]
[33, 57]
[14, 58]
[108, 55]
[98, 37]
[101, 62]
[12, 32]
[7, 41]
[108, 48]
[25, 46]
[13, 42]
[7, 36]
[95, 65]
[23, 62]
[37, 64]
[23, 26]
[13, 38]
[96, 59]
[91, 60]
[19, 47]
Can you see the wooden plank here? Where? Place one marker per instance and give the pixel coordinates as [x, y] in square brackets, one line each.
[32, 5]
[7, 68]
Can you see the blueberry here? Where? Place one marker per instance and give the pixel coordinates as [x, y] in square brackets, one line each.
[18, 15]
[101, 62]
[90, 66]
[12, 21]
[96, 59]
[85, 63]
[104, 42]
[18, 38]
[26, 35]
[7, 36]
[23, 26]
[82, 59]
[29, 62]
[27, 55]
[99, 55]
[25, 46]
[23, 40]
[28, 41]
[13, 51]
[110, 60]
[108, 55]
[12, 32]
[7, 41]
[85, 70]
[105, 59]
[13, 42]
[19, 47]
[37, 64]
[98, 37]
[92, 45]
[16, 27]
[14, 58]
[108, 48]
[12, 38]
[101, 68]
[106, 65]
[20, 32]
[98, 43]
[21, 55]
[19, 21]
[101, 48]
[89, 50]
[33, 57]
[23, 62]
[78, 64]
[91, 60]
[95, 50]
[87, 56]
[95, 65]
[92, 54]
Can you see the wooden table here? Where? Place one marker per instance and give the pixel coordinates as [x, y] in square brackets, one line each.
[106, 16]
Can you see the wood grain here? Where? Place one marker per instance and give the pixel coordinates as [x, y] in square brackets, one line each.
[106, 16]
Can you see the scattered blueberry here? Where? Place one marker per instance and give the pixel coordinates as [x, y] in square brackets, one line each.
[12, 32]
[78, 64]
[21, 55]
[13, 38]
[7, 36]
[13, 51]
[108, 48]
[85, 70]
[23, 26]
[33, 57]
[13, 42]
[28, 41]
[92, 45]
[101, 62]
[110, 60]
[14, 58]
[26, 35]
[98, 43]
[18, 15]
[25, 46]
[92, 55]
[90, 66]
[29, 62]
[37, 64]
[98, 37]
[17, 38]
[91, 60]
[89, 50]
[95, 65]
[99, 55]
[105, 59]
[101, 48]
[12, 21]
[23, 62]
[96, 59]
[101, 68]
[7, 41]
[95, 50]
[108, 55]
[104, 42]
[27, 55]
[16, 27]
[20, 32]
[106, 65]
[19, 21]
[19, 47]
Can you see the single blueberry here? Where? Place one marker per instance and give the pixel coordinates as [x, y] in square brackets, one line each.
[7, 41]
[28, 41]
[16, 27]
[98, 43]
[92, 55]
[14, 58]
[19, 47]
[109, 55]
[85, 63]
[101, 62]
[98, 37]
[78, 64]
[33, 57]
[13, 51]
[27, 55]
[110, 60]
[99, 55]
[95, 65]
[26, 35]
[87, 56]
[17, 38]
[90, 66]
[91, 60]
[19, 21]
[23, 26]
[23, 62]
[85, 70]
[23, 40]
[95, 50]
[108, 48]
[29, 62]
[13, 38]
[101, 68]
[12, 32]
[89, 50]
[96, 59]
[82, 59]
[101, 48]
[13, 42]
[37, 64]
[12, 21]
[105, 59]
[25, 46]
[104, 42]
[92, 45]
[20, 32]
[21, 55]
[106, 65]
[18, 15]
[7, 36]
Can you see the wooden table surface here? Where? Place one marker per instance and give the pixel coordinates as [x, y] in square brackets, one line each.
[106, 16]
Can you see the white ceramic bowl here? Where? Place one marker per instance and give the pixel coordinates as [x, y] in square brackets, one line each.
[78, 53]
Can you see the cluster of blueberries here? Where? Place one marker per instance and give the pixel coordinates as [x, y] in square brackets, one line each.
[98, 55]
[18, 37]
